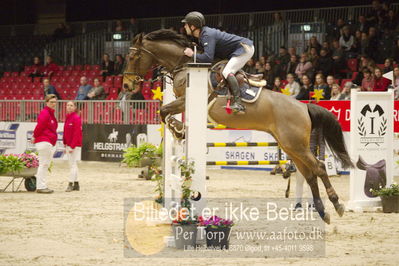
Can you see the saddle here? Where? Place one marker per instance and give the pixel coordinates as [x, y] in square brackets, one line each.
[250, 85]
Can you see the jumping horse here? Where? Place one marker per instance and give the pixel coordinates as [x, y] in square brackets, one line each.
[289, 121]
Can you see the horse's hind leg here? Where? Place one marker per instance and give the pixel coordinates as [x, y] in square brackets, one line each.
[305, 167]
[332, 195]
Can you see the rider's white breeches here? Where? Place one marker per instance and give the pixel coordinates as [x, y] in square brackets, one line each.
[237, 62]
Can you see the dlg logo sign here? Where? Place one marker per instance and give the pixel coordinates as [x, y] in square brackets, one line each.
[372, 125]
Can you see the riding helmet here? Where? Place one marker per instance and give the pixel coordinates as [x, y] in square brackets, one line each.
[194, 18]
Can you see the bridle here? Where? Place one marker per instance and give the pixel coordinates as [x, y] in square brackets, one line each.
[139, 78]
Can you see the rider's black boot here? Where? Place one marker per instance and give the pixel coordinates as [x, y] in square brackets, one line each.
[235, 90]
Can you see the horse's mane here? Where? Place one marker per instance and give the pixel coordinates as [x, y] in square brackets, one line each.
[168, 35]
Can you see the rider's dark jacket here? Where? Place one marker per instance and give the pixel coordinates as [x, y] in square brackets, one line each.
[221, 45]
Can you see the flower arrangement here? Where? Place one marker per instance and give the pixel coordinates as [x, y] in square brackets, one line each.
[17, 162]
[393, 190]
[183, 217]
[215, 222]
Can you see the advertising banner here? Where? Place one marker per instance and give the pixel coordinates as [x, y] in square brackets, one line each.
[371, 146]
[107, 142]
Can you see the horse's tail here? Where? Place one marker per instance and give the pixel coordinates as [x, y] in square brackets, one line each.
[332, 133]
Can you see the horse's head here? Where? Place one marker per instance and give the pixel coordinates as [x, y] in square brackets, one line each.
[139, 61]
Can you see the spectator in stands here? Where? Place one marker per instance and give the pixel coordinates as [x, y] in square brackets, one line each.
[49, 89]
[373, 43]
[304, 67]
[133, 26]
[250, 66]
[129, 95]
[364, 44]
[325, 63]
[59, 32]
[320, 84]
[362, 25]
[292, 86]
[331, 82]
[346, 41]
[292, 51]
[277, 85]
[380, 83]
[278, 18]
[72, 140]
[313, 43]
[107, 66]
[388, 65]
[306, 88]
[119, 26]
[368, 80]
[338, 57]
[96, 92]
[37, 68]
[396, 82]
[83, 89]
[50, 68]
[376, 11]
[337, 30]
[395, 52]
[391, 22]
[358, 42]
[335, 92]
[45, 138]
[346, 92]
[259, 68]
[69, 32]
[119, 65]
[269, 74]
[326, 46]
[291, 67]
[262, 60]
[282, 61]
[314, 57]
[367, 62]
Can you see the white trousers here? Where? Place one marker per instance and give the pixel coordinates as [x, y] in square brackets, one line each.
[45, 151]
[237, 62]
[73, 158]
[300, 180]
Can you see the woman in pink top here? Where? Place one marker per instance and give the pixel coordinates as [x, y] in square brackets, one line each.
[305, 67]
[73, 144]
[368, 80]
[45, 138]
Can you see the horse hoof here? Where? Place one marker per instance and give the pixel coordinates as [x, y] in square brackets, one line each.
[286, 174]
[326, 218]
[340, 210]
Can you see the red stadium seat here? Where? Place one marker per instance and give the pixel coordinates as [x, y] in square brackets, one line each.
[69, 68]
[7, 74]
[118, 82]
[61, 68]
[78, 67]
[96, 67]
[37, 80]
[55, 79]
[87, 67]
[75, 72]
[352, 64]
[67, 73]
[14, 74]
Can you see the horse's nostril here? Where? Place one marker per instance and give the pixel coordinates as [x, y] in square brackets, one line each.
[125, 86]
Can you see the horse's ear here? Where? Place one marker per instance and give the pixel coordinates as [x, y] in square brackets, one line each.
[139, 39]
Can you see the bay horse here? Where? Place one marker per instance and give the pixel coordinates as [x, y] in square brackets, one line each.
[288, 120]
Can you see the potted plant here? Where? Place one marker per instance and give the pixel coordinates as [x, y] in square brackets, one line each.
[217, 231]
[24, 165]
[389, 198]
[185, 225]
[184, 229]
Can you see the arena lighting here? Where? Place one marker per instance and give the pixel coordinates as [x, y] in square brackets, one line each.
[306, 27]
[117, 36]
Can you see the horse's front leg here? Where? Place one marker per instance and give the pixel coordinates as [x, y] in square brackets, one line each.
[175, 107]
[175, 126]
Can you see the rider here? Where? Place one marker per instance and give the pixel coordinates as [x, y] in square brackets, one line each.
[223, 46]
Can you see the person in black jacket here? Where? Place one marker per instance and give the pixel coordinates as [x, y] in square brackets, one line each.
[325, 65]
[107, 66]
[306, 87]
